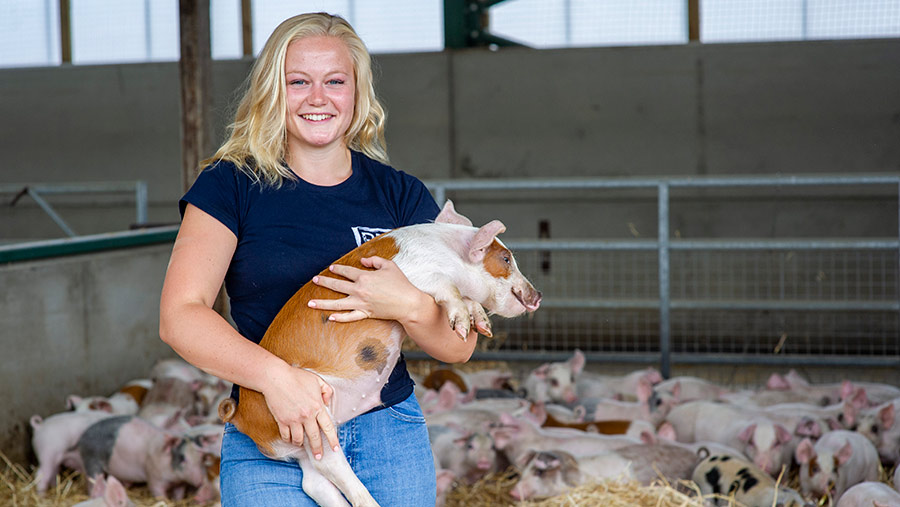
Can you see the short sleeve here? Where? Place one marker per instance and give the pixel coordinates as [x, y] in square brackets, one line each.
[419, 206]
[215, 191]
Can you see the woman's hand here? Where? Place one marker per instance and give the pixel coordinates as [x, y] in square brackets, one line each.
[297, 399]
[381, 293]
[384, 292]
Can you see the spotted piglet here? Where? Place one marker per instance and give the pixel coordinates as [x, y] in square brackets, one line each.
[133, 450]
[466, 269]
[724, 480]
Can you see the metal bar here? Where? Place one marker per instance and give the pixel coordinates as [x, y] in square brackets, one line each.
[760, 244]
[679, 181]
[704, 304]
[50, 211]
[99, 187]
[140, 202]
[664, 303]
[763, 244]
[137, 188]
[680, 358]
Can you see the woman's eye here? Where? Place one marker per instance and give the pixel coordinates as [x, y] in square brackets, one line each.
[298, 82]
[335, 81]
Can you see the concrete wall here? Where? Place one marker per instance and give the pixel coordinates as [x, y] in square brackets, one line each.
[802, 107]
[83, 324]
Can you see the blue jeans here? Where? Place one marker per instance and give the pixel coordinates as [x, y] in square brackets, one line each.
[388, 449]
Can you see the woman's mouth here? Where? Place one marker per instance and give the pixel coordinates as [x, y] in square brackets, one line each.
[316, 116]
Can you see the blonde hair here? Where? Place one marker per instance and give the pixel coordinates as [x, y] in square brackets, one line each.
[257, 141]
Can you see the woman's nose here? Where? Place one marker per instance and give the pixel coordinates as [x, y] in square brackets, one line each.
[316, 95]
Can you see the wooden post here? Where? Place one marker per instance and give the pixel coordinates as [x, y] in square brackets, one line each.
[694, 20]
[65, 31]
[247, 28]
[195, 67]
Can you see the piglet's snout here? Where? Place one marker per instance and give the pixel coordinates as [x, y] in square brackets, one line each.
[529, 297]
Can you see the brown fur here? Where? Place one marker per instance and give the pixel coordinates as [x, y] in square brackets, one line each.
[136, 392]
[613, 427]
[497, 260]
[438, 378]
[303, 337]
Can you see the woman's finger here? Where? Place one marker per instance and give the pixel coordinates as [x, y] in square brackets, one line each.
[335, 284]
[348, 272]
[375, 262]
[296, 436]
[328, 429]
[352, 316]
[314, 433]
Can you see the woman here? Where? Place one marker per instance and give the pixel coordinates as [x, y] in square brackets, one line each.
[302, 180]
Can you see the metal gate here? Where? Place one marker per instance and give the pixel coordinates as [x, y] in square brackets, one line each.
[809, 301]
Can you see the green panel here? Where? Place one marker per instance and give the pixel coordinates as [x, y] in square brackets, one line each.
[86, 244]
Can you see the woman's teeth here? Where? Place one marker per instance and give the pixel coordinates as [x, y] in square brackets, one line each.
[315, 117]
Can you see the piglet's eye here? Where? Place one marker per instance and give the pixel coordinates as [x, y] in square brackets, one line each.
[506, 259]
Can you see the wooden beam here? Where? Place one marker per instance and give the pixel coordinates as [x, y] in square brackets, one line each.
[247, 27]
[694, 20]
[195, 67]
[65, 31]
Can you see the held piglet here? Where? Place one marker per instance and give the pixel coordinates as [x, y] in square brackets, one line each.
[838, 460]
[465, 269]
[134, 450]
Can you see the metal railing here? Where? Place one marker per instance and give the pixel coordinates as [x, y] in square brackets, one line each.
[664, 245]
[38, 191]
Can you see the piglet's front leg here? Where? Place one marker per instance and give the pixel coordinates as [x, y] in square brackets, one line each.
[479, 317]
[447, 295]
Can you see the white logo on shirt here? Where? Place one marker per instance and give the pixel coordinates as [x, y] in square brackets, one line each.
[363, 234]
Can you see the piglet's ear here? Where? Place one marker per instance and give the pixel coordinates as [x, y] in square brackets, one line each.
[448, 215]
[98, 489]
[805, 451]
[115, 493]
[483, 239]
[844, 453]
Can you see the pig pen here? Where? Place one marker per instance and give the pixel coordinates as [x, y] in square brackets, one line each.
[494, 488]
[17, 480]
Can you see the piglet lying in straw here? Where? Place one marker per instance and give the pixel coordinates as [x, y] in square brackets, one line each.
[465, 269]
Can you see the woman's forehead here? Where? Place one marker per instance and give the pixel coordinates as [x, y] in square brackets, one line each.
[319, 51]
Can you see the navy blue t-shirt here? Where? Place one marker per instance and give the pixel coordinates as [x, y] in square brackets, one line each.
[287, 235]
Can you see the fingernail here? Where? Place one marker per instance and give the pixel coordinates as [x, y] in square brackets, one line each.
[312, 304]
[315, 279]
[331, 317]
[336, 448]
[318, 456]
[331, 268]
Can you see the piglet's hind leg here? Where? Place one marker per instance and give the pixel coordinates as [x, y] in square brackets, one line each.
[318, 487]
[335, 468]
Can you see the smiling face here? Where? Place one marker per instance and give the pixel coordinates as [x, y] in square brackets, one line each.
[320, 94]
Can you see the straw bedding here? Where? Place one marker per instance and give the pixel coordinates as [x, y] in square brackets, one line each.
[17, 489]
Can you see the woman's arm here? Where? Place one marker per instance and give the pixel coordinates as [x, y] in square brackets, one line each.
[386, 293]
[201, 255]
